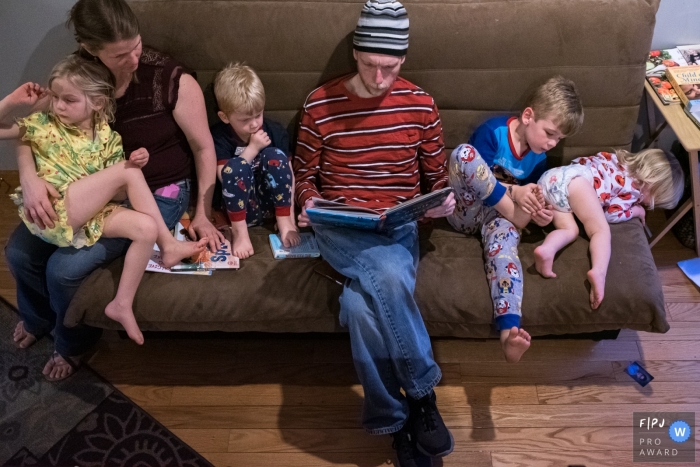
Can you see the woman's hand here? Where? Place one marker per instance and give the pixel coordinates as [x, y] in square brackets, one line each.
[201, 227]
[37, 202]
[445, 209]
[139, 158]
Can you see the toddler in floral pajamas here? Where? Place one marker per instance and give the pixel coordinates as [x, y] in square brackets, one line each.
[621, 184]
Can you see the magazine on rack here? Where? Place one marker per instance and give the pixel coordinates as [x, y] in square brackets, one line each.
[356, 217]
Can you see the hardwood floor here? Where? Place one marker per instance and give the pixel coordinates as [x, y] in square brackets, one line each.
[294, 400]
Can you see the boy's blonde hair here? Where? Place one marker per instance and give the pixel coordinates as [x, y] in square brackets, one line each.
[558, 100]
[93, 79]
[660, 171]
[238, 89]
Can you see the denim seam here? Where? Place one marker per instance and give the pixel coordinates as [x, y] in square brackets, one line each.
[386, 431]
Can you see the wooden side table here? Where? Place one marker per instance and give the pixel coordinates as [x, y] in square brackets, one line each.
[689, 136]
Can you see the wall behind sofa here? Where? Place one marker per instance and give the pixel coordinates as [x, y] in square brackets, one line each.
[33, 36]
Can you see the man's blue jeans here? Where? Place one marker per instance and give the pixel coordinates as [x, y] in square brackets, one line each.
[48, 276]
[390, 345]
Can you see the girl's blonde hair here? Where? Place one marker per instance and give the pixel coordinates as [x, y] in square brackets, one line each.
[658, 170]
[94, 80]
[238, 89]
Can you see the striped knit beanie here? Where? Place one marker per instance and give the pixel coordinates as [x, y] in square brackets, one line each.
[382, 28]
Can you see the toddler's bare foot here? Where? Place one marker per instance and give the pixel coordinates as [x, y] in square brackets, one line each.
[514, 342]
[176, 251]
[544, 259]
[597, 281]
[242, 247]
[21, 337]
[125, 316]
[288, 232]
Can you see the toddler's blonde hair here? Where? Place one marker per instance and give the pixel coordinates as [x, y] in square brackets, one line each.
[238, 89]
[659, 170]
[93, 79]
[558, 100]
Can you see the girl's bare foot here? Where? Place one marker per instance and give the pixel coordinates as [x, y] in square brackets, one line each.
[125, 316]
[597, 281]
[544, 259]
[241, 246]
[288, 232]
[176, 251]
[21, 337]
[514, 342]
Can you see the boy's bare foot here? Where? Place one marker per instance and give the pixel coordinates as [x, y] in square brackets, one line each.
[21, 337]
[125, 316]
[514, 342]
[597, 281]
[544, 259]
[241, 246]
[288, 232]
[176, 251]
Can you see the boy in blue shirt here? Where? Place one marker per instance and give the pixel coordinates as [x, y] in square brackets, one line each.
[252, 160]
[494, 177]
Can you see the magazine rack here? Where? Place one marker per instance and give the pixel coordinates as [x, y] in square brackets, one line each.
[689, 136]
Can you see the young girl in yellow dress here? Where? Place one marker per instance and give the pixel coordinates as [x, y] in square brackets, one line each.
[73, 149]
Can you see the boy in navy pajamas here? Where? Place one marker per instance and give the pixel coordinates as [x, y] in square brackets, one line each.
[252, 159]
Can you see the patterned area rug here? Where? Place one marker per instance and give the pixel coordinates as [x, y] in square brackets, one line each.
[81, 421]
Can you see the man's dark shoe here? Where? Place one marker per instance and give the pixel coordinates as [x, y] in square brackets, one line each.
[429, 432]
[406, 452]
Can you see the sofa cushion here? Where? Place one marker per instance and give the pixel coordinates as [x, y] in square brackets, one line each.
[451, 291]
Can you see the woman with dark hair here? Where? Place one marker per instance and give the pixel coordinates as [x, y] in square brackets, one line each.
[160, 107]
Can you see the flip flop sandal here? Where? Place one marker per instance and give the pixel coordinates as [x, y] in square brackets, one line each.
[25, 334]
[73, 362]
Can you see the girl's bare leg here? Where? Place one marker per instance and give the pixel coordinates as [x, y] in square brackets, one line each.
[565, 233]
[85, 198]
[142, 230]
[584, 202]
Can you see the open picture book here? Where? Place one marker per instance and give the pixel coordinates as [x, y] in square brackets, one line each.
[338, 214]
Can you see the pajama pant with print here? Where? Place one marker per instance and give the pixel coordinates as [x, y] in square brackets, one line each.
[474, 182]
[254, 196]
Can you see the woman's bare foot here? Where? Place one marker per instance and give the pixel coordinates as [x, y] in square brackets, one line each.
[176, 251]
[125, 316]
[288, 232]
[514, 342]
[21, 337]
[241, 246]
[544, 259]
[58, 367]
[597, 281]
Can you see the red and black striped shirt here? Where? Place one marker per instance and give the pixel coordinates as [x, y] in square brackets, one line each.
[370, 151]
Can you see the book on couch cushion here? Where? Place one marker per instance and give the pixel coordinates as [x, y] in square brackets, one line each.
[308, 248]
[356, 217]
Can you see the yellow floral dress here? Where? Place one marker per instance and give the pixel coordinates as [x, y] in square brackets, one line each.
[64, 154]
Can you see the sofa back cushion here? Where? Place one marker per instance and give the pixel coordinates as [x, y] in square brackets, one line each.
[477, 58]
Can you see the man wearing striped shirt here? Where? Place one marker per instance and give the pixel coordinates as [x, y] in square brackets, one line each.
[368, 139]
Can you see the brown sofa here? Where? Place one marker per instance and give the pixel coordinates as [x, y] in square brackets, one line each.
[477, 58]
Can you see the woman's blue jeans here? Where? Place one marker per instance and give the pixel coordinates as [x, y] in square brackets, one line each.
[47, 276]
[390, 345]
